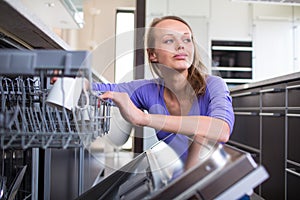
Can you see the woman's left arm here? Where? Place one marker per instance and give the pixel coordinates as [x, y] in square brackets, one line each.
[205, 126]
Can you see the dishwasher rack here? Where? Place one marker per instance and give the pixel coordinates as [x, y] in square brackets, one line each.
[26, 120]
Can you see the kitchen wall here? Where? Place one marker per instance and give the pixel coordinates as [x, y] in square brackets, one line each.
[99, 31]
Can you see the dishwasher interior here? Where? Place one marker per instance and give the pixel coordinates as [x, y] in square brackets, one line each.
[29, 126]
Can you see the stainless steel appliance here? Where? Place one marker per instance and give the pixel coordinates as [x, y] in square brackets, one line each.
[213, 171]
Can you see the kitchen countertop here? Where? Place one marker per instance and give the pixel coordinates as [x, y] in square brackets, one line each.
[279, 79]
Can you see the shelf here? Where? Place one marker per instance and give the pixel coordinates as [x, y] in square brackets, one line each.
[233, 80]
[232, 60]
[231, 48]
[242, 69]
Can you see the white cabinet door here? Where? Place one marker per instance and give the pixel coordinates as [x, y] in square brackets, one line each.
[273, 48]
[230, 21]
[189, 7]
[297, 46]
[156, 7]
[297, 38]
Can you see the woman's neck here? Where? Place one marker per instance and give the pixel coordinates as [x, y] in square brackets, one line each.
[177, 84]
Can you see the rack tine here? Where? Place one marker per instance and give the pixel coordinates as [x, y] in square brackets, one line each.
[65, 115]
[24, 123]
[59, 120]
[50, 119]
[33, 121]
[45, 128]
[17, 123]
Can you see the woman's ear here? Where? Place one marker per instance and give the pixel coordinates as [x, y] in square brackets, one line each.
[152, 56]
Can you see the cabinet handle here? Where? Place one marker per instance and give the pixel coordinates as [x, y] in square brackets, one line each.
[246, 113]
[270, 114]
[293, 87]
[271, 90]
[292, 115]
[244, 94]
[292, 172]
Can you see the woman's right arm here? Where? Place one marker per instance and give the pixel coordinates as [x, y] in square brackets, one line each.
[103, 87]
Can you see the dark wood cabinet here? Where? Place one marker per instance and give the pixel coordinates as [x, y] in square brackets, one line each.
[273, 153]
[247, 123]
[293, 136]
[267, 118]
[293, 95]
[246, 99]
[246, 128]
[293, 181]
[273, 96]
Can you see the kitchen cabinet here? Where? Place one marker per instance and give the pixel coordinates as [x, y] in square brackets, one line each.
[176, 7]
[272, 153]
[293, 138]
[268, 33]
[26, 29]
[269, 11]
[199, 8]
[273, 135]
[246, 129]
[273, 96]
[276, 137]
[230, 21]
[246, 109]
[293, 180]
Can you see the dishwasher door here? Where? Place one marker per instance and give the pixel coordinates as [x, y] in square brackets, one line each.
[213, 171]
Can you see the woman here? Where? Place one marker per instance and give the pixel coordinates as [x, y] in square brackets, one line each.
[184, 100]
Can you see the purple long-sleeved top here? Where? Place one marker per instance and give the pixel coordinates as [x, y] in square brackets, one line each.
[148, 95]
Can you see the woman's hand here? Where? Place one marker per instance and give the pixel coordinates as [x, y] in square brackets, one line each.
[128, 110]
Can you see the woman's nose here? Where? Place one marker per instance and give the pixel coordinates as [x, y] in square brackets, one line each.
[180, 46]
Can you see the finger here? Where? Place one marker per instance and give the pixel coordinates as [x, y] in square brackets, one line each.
[107, 95]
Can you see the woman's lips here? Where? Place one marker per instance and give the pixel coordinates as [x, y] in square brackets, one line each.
[180, 56]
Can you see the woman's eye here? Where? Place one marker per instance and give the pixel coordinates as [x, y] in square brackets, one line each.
[187, 40]
[169, 41]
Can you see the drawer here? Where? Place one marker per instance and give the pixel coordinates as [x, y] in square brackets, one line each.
[293, 182]
[273, 96]
[246, 98]
[273, 153]
[293, 94]
[246, 129]
[293, 136]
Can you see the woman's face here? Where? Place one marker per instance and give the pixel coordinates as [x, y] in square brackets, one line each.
[173, 45]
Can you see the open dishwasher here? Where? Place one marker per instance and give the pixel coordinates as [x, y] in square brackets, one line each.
[29, 124]
[211, 171]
